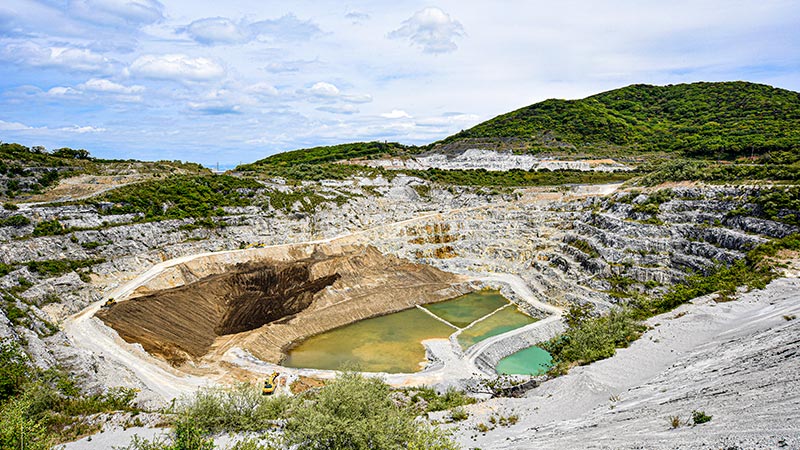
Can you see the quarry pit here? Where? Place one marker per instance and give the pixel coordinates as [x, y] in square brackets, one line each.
[264, 301]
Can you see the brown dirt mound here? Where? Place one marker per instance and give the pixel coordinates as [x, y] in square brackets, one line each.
[185, 321]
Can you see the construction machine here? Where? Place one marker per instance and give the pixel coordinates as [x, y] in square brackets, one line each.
[270, 384]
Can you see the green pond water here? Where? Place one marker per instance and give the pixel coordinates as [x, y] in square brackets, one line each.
[393, 343]
[530, 361]
[390, 343]
[464, 310]
[506, 319]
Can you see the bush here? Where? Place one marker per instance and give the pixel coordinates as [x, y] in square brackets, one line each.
[459, 414]
[16, 220]
[19, 430]
[240, 408]
[13, 369]
[49, 228]
[57, 267]
[179, 196]
[699, 417]
[452, 398]
[353, 412]
[585, 247]
[595, 338]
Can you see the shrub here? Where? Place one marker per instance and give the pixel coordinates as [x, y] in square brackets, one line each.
[19, 430]
[13, 369]
[699, 417]
[57, 267]
[594, 338]
[239, 408]
[17, 220]
[458, 414]
[674, 421]
[585, 247]
[451, 398]
[49, 228]
[354, 412]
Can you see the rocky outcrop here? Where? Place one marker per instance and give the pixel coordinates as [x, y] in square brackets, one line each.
[475, 158]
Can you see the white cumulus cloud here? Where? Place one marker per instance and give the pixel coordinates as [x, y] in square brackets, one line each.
[70, 58]
[82, 130]
[396, 114]
[13, 126]
[102, 85]
[323, 89]
[432, 30]
[262, 88]
[177, 67]
[216, 30]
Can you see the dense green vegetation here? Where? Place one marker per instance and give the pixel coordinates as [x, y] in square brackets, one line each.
[719, 120]
[318, 163]
[661, 171]
[516, 177]
[39, 408]
[180, 196]
[49, 228]
[355, 412]
[324, 154]
[16, 220]
[350, 412]
[590, 337]
[55, 267]
[780, 204]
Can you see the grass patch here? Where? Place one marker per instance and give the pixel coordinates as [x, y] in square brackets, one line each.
[585, 247]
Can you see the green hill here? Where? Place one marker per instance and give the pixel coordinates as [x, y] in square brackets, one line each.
[700, 119]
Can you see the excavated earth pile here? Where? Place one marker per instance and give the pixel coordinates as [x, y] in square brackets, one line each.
[267, 305]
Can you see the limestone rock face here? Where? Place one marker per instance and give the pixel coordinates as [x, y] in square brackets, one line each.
[475, 158]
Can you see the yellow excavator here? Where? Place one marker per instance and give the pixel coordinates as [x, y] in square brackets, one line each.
[109, 303]
[269, 384]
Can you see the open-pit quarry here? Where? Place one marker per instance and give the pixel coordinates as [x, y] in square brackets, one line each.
[236, 315]
[189, 313]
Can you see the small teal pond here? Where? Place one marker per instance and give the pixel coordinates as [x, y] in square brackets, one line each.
[530, 361]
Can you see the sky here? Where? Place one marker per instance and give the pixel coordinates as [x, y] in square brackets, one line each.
[237, 80]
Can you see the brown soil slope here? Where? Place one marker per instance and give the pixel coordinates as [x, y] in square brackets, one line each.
[266, 306]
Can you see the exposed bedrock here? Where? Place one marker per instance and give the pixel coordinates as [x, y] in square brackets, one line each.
[267, 305]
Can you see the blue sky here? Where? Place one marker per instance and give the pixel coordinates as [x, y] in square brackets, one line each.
[233, 81]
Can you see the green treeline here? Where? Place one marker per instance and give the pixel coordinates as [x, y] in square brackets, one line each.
[719, 120]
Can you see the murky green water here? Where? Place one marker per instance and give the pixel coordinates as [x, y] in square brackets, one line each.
[392, 343]
[504, 320]
[464, 310]
[529, 361]
[389, 343]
